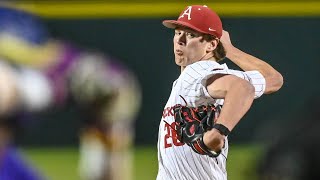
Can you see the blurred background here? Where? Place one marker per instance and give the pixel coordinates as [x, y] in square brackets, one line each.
[285, 33]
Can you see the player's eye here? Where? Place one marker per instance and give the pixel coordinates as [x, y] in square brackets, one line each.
[190, 35]
[176, 32]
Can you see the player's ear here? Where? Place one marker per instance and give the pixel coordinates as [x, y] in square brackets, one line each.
[212, 45]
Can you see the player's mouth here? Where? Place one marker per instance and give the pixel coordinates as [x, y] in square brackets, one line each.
[178, 52]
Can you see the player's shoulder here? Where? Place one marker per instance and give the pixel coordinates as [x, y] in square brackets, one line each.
[201, 68]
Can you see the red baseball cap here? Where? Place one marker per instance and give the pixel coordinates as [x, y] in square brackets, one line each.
[199, 18]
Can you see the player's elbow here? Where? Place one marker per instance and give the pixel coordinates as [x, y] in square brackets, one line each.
[278, 81]
[273, 83]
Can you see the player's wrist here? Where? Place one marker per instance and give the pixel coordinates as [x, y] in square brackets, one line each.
[222, 129]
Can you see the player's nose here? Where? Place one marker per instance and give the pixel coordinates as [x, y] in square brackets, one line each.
[181, 40]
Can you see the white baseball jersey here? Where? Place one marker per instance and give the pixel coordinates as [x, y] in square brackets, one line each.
[177, 161]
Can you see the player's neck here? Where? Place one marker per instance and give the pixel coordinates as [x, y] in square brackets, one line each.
[206, 57]
[182, 68]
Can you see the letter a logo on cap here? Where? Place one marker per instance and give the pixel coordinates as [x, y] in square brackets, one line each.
[187, 12]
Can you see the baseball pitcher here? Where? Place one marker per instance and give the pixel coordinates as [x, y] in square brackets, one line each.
[207, 100]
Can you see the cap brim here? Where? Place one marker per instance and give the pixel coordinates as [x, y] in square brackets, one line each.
[174, 24]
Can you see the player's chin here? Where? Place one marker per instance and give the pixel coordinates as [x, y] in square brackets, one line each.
[180, 61]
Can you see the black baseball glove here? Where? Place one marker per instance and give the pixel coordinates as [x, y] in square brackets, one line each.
[192, 123]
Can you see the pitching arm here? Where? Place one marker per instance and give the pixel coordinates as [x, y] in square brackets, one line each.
[247, 62]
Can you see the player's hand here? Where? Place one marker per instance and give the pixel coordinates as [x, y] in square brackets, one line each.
[226, 42]
[214, 140]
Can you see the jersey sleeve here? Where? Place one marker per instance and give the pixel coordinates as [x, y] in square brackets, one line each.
[254, 77]
[193, 81]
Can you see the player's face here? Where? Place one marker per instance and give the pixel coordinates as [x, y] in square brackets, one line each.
[189, 46]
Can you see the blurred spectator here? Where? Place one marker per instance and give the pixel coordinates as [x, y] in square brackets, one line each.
[53, 72]
[295, 154]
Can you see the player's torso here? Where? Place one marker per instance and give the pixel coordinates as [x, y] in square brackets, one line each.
[78, 65]
[57, 72]
[177, 161]
[94, 78]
